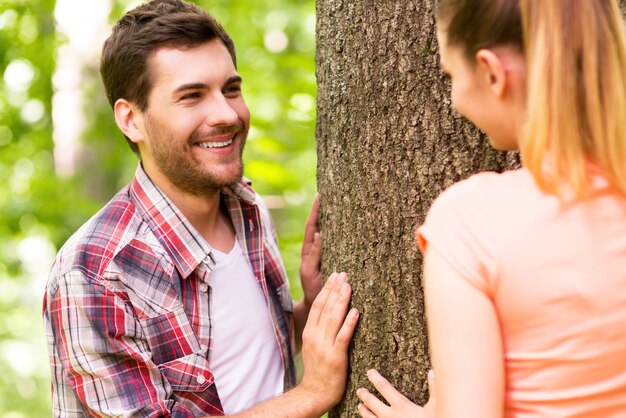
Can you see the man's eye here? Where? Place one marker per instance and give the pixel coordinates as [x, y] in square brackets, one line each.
[232, 89]
[191, 96]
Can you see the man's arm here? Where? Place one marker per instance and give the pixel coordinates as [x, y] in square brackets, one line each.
[325, 339]
[100, 358]
[107, 363]
[310, 274]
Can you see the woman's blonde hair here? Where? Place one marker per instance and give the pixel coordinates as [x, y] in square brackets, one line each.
[576, 64]
[576, 57]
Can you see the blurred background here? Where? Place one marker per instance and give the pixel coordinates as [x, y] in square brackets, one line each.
[62, 157]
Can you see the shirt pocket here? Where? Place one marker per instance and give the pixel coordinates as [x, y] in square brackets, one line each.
[182, 362]
[193, 384]
[170, 336]
[188, 374]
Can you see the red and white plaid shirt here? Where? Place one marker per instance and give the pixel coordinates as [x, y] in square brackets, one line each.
[127, 312]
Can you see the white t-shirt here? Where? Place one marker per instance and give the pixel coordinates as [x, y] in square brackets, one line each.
[245, 357]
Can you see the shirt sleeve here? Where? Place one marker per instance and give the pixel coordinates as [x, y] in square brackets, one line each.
[457, 228]
[101, 363]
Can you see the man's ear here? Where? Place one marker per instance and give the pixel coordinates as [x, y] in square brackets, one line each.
[129, 119]
[494, 70]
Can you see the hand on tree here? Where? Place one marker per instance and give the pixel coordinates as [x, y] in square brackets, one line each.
[310, 273]
[325, 343]
[399, 405]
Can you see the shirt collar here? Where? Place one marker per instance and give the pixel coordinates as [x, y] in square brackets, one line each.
[242, 190]
[180, 239]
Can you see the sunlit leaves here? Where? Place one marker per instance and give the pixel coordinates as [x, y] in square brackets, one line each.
[27, 222]
[275, 42]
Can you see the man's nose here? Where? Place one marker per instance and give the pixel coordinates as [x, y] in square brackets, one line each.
[221, 112]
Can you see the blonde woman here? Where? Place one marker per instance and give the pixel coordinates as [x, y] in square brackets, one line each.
[525, 271]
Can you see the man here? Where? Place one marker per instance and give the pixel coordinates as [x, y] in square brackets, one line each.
[173, 300]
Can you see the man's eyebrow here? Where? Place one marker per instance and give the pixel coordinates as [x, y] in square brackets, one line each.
[190, 86]
[234, 79]
[202, 86]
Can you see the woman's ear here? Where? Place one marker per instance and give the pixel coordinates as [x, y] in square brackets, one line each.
[494, 71]
[129, 119]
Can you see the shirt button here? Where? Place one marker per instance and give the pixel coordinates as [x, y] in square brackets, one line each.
[201, 379]
[207, 260]
[204, 287]
[204, 348]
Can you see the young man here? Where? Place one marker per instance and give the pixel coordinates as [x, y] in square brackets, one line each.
[173, 299]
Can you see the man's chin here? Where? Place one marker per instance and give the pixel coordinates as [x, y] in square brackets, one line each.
[228, 178]
[214, 182]
[233, 182]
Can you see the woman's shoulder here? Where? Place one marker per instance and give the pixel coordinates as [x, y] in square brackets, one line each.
[487, 188]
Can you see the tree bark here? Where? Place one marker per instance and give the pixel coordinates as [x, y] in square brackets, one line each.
[388, 143]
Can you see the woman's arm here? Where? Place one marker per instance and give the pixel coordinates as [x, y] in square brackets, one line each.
[466, 344]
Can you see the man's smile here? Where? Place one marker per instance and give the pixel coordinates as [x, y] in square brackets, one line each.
[216, 144]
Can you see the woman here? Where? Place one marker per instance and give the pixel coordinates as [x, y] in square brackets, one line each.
[525, 271]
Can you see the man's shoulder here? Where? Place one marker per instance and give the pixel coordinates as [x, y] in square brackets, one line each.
[92, 247]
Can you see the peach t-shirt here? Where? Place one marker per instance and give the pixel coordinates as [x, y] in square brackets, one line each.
[556, 272]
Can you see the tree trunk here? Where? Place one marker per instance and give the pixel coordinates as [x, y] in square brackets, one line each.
[388, 143]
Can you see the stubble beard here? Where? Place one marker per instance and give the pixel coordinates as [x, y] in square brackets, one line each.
[178, 163]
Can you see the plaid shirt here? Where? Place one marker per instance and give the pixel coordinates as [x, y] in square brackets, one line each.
[127, 312]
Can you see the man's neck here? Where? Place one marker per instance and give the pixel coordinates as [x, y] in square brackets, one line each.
[205, 212]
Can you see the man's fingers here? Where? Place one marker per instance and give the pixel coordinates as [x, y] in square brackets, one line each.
[374, 405]
[336, 292]
[311, 260]
[321, 299]
[347, 329]
[382, 385]
[310, 275]
[335, 310]
[312, 225]
[317, 243]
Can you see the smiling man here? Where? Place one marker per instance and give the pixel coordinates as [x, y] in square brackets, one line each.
[173, 299]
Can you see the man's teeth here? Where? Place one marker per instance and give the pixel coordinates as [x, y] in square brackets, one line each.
[216, 144]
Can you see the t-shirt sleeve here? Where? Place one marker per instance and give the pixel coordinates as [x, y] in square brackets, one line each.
[457, 228]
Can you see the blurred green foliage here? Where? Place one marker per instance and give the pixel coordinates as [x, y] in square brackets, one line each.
[39, 208]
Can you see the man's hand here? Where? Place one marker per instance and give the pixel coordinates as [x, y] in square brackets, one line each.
[399, 405]
[325, 356]
[310, 274]
[325, 342]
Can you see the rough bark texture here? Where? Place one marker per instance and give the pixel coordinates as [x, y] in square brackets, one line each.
[388, 144]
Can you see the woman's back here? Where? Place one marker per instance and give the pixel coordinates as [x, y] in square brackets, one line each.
[556, 272]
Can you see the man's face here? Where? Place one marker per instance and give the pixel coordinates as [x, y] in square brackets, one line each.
[197, 121]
